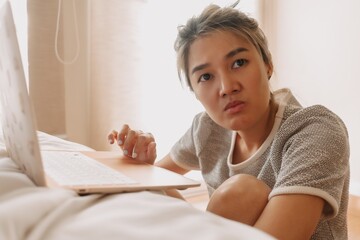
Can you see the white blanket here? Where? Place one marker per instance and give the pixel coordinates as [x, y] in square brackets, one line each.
[30, 212]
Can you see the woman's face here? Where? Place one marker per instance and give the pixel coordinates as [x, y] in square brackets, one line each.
[230, 79]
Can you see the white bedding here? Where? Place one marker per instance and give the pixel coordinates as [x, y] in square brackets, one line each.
[30, 212]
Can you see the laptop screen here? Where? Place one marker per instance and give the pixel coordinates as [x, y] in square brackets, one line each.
[17, 119]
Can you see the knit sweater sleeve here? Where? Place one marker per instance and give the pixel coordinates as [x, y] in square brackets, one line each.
[314, 157]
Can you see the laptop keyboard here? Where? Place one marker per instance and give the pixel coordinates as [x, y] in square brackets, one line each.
[74, 168]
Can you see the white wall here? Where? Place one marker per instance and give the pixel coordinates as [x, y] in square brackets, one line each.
[316, 51]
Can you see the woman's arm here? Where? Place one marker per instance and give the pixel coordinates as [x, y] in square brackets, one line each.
[291, 216]
[169, 164]
[141, 146]
[245, 199]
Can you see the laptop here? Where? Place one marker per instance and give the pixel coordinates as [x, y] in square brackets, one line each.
[48, 168]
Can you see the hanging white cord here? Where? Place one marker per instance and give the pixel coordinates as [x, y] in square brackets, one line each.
[76, 35]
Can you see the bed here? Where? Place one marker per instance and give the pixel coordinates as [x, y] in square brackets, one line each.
[30, 212]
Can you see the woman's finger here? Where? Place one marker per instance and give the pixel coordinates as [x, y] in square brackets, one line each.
[122, 134]
[151, 152]
[112, 137]
[141, 146]
[129, 142]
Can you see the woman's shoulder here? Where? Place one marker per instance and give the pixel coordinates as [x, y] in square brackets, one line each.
[317, 115]
[205, 130]
[294, 115]
[203, 121]
[314, 125]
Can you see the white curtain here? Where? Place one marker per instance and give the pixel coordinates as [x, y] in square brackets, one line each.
[46, 75]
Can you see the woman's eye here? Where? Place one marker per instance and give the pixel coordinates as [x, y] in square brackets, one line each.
[239, 63]
[204, 77]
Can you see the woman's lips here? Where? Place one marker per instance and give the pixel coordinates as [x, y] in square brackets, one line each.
[234, 107]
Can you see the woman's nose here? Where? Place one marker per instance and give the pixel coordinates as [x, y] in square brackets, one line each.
[228, 85]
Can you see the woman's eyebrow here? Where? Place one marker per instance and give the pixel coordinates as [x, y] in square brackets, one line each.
[198, 68]
[229, 55]
[235, 51]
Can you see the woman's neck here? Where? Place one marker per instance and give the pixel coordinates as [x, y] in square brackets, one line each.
[247, 143]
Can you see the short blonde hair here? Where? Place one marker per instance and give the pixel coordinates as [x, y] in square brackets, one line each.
[216, 18]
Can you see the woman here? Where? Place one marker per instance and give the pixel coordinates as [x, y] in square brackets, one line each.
[267, 161]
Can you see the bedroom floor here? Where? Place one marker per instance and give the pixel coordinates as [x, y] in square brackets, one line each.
[200, 201]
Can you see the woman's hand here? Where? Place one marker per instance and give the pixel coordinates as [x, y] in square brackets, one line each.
[135, 144]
